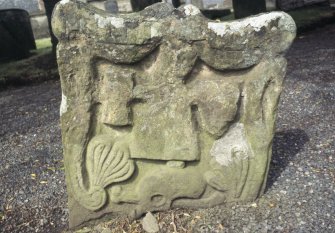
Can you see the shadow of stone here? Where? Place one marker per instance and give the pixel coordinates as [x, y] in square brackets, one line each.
[286, 144]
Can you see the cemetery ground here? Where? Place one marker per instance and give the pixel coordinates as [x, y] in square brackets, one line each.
[300, 192]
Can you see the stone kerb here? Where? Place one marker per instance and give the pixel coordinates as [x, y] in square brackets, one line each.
[164, 108]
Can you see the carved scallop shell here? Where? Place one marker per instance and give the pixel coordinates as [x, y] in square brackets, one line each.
[107, 163]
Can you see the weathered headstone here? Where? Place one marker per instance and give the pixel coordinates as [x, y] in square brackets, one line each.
[165, 108]
[139, 5]
[271, 4]
[245, 8]
[16, 35]
[111, 6]
[293, 4]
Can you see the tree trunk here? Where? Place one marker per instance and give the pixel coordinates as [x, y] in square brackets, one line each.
[49, 6]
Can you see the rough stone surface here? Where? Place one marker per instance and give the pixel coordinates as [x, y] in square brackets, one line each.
[144, 90]
[150, 223]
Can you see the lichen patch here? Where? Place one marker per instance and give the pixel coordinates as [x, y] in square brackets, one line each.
[191, 10]
[63, 105]
[232, 147]
[239, 27]
[105, 21]
[63, 2]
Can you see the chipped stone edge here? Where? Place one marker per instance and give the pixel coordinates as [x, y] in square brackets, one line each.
[236, 27]
[63, 2]
[191, 10]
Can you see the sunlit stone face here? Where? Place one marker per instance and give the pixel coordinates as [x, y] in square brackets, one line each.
[165, 108]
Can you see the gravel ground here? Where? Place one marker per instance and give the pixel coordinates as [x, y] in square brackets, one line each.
[300, 195]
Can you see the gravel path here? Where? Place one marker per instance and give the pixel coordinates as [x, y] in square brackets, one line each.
[300, 195]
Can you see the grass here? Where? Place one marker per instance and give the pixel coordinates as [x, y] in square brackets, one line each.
[41, 65]
[42, 46]
[43, 43]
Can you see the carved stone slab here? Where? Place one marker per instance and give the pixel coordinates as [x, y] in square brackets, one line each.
[165, 108]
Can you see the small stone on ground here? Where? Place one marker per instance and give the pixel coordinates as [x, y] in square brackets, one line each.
[150, 224]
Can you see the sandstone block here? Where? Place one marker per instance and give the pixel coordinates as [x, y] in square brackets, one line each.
[164, 108]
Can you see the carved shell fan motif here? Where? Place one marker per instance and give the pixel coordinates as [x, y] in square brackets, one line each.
[106, 164]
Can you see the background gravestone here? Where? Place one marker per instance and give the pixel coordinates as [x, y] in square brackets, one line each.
[245, 8]
[292, 4]
[164, 108]
[16, 35]
[139, 5]
[111, 6]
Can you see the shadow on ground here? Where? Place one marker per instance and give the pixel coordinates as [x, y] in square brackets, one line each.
[286, 145]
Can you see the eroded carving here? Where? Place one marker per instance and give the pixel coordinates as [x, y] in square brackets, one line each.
[164, 108]
[106, 164]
